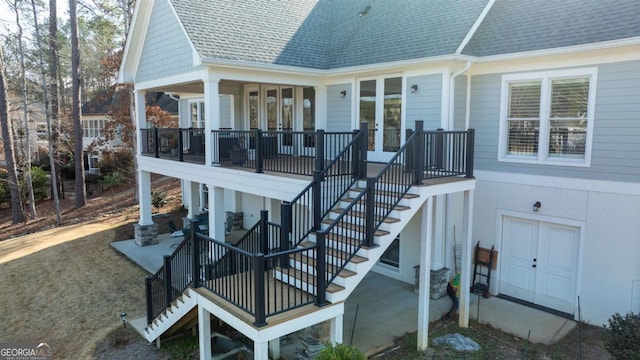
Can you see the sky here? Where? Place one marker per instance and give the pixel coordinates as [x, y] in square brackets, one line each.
[8, 17]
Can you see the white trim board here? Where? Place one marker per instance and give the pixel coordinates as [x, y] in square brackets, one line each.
[604, 186]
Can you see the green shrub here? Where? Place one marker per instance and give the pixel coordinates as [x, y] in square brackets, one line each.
[622, 336]
[340, 352]
[158, 199]
[111, 180]
[39, 180]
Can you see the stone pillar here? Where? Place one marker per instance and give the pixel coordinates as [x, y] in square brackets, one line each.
[146, 234]
[439, 281]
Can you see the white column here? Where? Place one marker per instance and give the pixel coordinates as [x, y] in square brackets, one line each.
[216, 212]
[337, 325]
[437, 247]
[321, 107]
[140, 121]
[467, 247]
[204, 331]
[274, 348]
[211, 113]
[144, 194]
[260, 351]
[193, 199]
[426, 237]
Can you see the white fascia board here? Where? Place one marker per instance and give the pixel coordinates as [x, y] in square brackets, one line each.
[135, 41]
[604, 186]
[373, 68]
[185, 78]
[560, 51]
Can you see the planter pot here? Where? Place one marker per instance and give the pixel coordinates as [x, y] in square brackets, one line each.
[238, 156]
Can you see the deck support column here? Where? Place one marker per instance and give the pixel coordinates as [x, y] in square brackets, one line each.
[335, 337]
[274, 348]
[217, 215]
[467, 247]
[144, 191]
[193, 199]
[204, 332]
[211, 114]
[426, 239]
[260, 350]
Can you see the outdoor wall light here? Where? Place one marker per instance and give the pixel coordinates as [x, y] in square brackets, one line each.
[343, 93]
[537, 206]
[123, 317]
[414, 88]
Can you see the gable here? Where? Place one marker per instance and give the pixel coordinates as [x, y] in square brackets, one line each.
[520, 26]
[166, 50]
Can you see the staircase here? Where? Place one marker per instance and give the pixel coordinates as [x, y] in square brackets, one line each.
[341, 244]
[174, 315]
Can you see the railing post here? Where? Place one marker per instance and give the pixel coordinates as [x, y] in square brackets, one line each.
[440, 149]
[321, 270]
[156, 149]
[355, 156]
[316, 195]
[408, 166]
[470, 152]
[258, 273]
[259, 152]
[320, 153]
[168, 288]
[369, 213]
[181, 144]
[264, 232]
[285, 232]
[195, 256]
[364, 146]
[419, 151]
[149, 295]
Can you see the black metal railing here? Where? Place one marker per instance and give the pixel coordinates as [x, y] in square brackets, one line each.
[448, 153]
[174, 144]
[280, 151]
[175, 276]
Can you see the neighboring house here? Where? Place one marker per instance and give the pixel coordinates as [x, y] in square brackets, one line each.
[551, 88]
[95, 116]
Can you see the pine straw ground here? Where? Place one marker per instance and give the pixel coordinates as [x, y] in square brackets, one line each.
[65, 285]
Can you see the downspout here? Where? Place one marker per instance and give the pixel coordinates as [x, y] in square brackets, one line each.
[452, 91]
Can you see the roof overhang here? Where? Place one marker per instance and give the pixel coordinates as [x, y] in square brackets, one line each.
[135, 41]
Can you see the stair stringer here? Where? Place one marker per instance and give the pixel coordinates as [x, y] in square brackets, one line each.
[374, 254]
[163, 322]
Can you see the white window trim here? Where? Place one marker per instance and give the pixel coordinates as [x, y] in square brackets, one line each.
[546, 77]
[199, 102]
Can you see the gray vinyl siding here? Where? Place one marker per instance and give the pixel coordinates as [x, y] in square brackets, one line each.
[426, 103]
[225, 111]
[166, 49]
[616, 132]
[338, 108]
[460, 103]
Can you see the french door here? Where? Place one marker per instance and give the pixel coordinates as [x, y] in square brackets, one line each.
[540, 262]
[280, 111]
[380, 106]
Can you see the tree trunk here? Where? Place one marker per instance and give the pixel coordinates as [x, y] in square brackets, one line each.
[81, 197]
[17, 212]
[45, 94]
[32, 202]
[53, 85]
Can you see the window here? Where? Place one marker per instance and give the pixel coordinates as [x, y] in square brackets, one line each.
[93, 128]
[548, 117]
[197, 115]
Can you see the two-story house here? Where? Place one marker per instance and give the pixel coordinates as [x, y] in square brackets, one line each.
[334, 156]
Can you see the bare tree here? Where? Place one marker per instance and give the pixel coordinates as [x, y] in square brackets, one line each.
[17, 211]
[32, 202]
[47, 114]
[81, 196]
[53, 85]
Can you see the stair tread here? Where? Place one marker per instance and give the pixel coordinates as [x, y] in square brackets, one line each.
[332, 252]
[397, 207]
[344, 273]
[356, 227]
[345, 240]
[388, 220]
[306, 277]
[387, 192]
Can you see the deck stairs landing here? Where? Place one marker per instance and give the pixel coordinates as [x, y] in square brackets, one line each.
[365, 258]
[170, 317]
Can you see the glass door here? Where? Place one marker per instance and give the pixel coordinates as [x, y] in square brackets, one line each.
[309, 121]
[286, 120]
[380, 107]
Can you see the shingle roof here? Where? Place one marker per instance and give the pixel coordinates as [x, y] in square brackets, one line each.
[101, 103]
[329, 34]
[514, 26]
